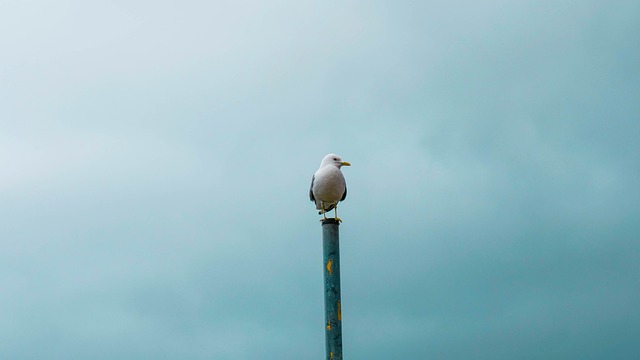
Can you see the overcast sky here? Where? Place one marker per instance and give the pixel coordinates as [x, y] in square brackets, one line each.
[155, 159]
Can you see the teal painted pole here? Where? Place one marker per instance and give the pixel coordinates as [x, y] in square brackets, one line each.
[332, 308]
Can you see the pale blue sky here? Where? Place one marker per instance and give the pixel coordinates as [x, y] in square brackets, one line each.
[156, 158]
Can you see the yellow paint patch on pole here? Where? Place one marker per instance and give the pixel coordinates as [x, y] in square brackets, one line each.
[328, 326]
[329, 265]
[339, 312]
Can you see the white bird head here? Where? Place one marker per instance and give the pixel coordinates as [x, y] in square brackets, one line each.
[335, 160]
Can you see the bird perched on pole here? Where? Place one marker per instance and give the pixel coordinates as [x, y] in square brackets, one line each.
[328, 186]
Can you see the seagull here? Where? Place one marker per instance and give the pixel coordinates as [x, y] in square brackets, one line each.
[328, 186]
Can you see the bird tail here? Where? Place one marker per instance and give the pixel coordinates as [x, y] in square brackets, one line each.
[326, 210]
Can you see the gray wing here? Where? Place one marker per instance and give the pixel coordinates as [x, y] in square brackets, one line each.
[311, 189]
[344, 196]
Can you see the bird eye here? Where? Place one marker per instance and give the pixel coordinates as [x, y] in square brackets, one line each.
[335, 159]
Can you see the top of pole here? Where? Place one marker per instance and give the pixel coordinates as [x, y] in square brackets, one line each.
[330, 221]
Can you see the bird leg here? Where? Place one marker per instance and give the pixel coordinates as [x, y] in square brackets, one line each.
[335, 213]
[324, 212]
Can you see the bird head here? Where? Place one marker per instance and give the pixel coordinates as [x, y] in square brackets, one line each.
[335, 160]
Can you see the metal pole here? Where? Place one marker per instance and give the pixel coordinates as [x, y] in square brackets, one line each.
[332, 311]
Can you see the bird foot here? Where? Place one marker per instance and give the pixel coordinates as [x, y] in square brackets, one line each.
[338, 220]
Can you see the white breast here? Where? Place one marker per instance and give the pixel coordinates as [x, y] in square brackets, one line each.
[329, 185]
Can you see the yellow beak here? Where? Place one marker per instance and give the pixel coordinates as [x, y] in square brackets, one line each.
[345, 163]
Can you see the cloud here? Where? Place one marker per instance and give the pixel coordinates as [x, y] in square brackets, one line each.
[156, 160]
